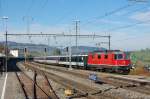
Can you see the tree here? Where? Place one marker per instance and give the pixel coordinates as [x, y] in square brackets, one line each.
[56, 51]
[1, 48]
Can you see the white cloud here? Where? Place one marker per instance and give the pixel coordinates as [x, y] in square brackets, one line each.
[141, 16]
[128, 41]
[107, 21]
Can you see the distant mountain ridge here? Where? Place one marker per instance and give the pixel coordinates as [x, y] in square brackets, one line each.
[85, 49]
[50, 49]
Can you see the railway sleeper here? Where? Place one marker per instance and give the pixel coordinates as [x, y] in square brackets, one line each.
[79, 90]
[78, 96]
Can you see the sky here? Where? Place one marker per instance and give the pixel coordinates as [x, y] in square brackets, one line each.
[127, 21]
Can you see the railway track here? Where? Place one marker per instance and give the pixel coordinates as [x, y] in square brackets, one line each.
[33, 90]
[118, 82]
[84, 90]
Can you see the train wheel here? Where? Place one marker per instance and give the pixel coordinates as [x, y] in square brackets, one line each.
[109, 70]
[126, 72]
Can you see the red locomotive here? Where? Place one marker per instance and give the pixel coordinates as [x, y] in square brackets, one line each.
[110, 60]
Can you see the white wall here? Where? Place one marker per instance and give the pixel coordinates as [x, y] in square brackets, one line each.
[14, 53]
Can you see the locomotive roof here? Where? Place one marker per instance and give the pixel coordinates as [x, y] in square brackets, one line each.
[107, 51]
[61, 56]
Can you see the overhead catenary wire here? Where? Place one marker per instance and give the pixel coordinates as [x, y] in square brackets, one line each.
[58, 35]
[139, 1]
[135, 10]
[116, 11]
[29, 9]
[127, 26]
[107, 14]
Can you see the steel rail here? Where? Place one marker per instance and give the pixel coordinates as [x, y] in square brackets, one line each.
[50, 87]
[86, 90]
[129, 84]
[22, 86]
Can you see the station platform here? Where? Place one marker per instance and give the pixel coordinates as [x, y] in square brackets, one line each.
[9, 87]
[2, 79]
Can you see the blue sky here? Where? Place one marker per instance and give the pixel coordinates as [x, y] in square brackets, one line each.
[57, 16]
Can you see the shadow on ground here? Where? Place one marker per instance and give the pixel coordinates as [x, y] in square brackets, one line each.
[12, 67]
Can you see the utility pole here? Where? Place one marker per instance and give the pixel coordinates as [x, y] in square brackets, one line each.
[28, 20]
[76, 30]
[109, 41]
[45, 54]
[25, 54]
[70, 52]
[6, 45]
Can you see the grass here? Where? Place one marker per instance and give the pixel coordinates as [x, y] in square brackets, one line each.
[139, 70]
[142, 55]
[140, 58]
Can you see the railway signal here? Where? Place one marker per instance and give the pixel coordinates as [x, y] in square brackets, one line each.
[67, 49]
[45, 50]
[5, 19]
[25, 54]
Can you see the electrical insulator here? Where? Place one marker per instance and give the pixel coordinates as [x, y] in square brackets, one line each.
[25, 50]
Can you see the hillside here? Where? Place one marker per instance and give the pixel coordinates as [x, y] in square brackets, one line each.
[38, 49]
[1, 48]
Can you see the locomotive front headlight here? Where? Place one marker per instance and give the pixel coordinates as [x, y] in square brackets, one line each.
[124, 62]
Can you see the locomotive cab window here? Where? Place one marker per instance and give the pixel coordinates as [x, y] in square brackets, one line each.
[99, 56]
[115, 56]
[118, 56]
[106, 56]
[92, 56]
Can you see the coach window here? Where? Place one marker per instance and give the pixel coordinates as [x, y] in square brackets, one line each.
[82, 58]
[106, 56]
[99, 56]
